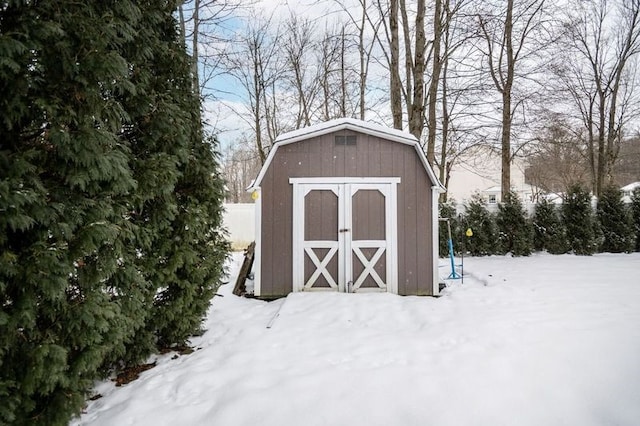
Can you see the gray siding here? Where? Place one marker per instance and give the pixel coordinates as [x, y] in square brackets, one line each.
[371, 156]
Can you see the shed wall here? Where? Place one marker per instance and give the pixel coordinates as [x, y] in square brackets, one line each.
[370, 156]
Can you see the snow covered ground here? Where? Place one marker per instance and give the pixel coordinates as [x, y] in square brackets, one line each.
[541, 340]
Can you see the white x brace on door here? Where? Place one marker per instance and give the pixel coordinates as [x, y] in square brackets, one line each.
[345, 234]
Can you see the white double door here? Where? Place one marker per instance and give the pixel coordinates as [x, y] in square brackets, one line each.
[344, 235]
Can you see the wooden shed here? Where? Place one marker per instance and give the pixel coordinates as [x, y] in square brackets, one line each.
[346, 206]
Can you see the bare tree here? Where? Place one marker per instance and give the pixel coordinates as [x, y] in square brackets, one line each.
[363, 22]
[450, 91]
[436, 68]
[298, 44]
[558, 160]
[395, 84]
[627, 168]
[508, 36]
[338, 77]
[331, 78]
[597, 71]
[415, 65]
[240, 165]
[202, 26]
[395, 16]
[255, 64]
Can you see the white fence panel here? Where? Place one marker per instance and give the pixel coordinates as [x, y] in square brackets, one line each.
[239, 220]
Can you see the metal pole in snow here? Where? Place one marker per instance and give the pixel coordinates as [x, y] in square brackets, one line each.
[453, 274]
[462, 251]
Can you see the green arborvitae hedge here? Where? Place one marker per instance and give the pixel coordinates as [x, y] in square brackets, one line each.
[110, 200]
[574, 227]
[635, 214]
[579, 221]
[549, 232]
[177, 210]
[615, 222]
[514, 228]
[484, 240]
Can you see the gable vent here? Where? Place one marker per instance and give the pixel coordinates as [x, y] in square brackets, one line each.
[345, 139]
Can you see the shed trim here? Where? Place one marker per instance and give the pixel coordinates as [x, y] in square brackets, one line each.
[257, 256]
[334, 180]
[435, 234]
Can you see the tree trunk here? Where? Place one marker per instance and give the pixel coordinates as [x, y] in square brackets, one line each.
[416, 117]
[506, 104]
[506, 144]
[343, 79]
[600, 169]
[409, 69]
[363, 62]
[183, 30]
[433, 86]
[395, 85]
[592, 149]
[445, 133]
[195, 55]
[257, 87]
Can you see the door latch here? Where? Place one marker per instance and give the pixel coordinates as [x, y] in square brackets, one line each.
[344, 230]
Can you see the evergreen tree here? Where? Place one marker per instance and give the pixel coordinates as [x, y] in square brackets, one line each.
[157, 133]
[199, 254]
[110, 199]
[635, 213]
[579, 221]
[63, 175]
[178, 211]
[548, 230]
[615, 222]
[484, 240]
[514, 228]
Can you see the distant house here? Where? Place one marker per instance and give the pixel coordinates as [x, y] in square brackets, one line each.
[527, 194]
[479, 170]
[627, 191]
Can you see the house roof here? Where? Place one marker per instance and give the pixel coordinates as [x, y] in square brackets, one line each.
[348, 124]
[497, 188]
[632, 186]
[521, 188]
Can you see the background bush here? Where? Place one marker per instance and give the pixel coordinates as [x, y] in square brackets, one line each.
[635, 217]
[514, 228]
[616, 223]
[484, 240]
[573, 226]
[579, 221]
[549, 232]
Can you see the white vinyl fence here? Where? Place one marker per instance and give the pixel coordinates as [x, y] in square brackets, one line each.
[239, 220]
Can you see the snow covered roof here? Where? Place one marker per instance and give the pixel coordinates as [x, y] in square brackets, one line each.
[554, 197]
[524, 187]
[631, 187]
[493, 189]
[346, 123]
[365, 127]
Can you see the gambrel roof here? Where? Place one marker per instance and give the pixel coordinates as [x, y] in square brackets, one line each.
[360, 126]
